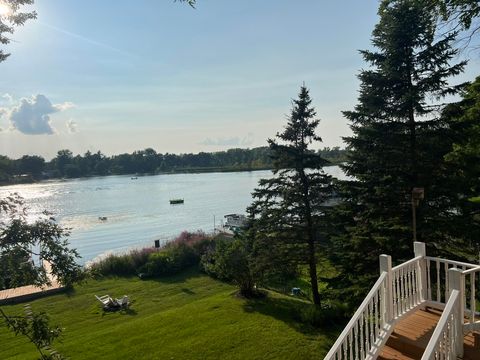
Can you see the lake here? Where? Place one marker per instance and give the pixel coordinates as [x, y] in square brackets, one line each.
[139, 211]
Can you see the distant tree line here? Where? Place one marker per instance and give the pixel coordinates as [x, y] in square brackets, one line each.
[148, 161]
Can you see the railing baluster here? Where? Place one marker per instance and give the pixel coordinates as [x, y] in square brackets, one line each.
[404, 297]
[411, 286]
[400, 293]
[350, 345]
[417, 283]
[473, 302]
[438, 281]
[356, 339]
[446, 281]
[395, 294]
[367, 331]
[407, 288]
[362, 339]
[429, 281]
[375, 317]
[371, 323]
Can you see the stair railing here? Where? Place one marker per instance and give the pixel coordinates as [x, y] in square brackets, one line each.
[419, 282]
[367, 329]
[446, 342]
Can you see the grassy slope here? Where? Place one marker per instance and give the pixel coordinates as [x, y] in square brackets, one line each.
[189, 316]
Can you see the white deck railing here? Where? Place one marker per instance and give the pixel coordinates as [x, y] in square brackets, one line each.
[407, 293]
[470, 297]
[437, 276]
[363, 334]
[442, 344]
[419, 282]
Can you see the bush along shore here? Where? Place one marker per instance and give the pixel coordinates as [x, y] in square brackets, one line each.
[222, 258]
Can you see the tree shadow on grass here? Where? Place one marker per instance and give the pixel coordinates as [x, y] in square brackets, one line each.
[289, 311]
[126, 311]
[188, 291]
[70, 291]
[187, 274]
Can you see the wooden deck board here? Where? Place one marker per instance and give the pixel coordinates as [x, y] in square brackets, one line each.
[30, 291]
[411, 335]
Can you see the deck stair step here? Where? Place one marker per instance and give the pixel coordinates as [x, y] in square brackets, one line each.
[471, 346]
[412, 334]
[389, 353]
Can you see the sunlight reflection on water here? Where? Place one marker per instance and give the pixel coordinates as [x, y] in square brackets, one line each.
[138, 211]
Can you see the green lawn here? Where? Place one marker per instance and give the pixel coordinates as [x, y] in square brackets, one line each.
[189, 316]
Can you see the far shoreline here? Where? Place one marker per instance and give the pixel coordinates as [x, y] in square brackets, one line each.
[31, 181]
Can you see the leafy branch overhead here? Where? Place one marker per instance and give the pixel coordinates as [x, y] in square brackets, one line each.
[36, 328]
[13, 18]
[192, 3]
[21, 241]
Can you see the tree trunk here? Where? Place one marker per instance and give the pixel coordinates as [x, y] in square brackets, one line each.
[313, 271]
[312, 260]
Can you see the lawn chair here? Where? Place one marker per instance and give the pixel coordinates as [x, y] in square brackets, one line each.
[110, 304]
[123, 302]
[106, 300]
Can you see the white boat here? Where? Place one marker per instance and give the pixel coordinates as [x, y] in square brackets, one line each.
[235, 221]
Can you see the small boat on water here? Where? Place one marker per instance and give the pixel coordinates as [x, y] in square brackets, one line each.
[102, 218]
[234, 223]
[176, 201]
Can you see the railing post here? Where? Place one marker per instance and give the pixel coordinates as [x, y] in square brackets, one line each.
[419, 250]
[386, 266]
[455, 282]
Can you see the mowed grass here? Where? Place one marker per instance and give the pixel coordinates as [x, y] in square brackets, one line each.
[188, 316]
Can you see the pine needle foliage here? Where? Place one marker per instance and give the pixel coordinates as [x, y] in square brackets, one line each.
[398, 143]
[288, 210]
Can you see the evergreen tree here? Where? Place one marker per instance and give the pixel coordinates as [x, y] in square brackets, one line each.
[288, 209]
[398, 144]
[464, 160]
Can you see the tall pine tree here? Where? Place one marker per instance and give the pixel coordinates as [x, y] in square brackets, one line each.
[288, 209]
[398, 144]
[464, 161]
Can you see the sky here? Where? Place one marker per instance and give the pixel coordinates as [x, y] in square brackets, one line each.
[120, 76]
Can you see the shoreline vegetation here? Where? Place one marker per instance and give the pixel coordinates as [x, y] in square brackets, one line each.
[32, 169]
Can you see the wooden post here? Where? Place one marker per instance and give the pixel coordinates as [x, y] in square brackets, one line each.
[419, 250]
[455, 282]
[386, 266]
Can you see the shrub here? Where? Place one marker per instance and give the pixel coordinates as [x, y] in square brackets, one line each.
[230, 260]
[327, 314]
[174, 256]
[170, 260]
[120, 265]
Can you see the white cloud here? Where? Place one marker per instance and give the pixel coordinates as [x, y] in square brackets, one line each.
[72, 126]
[231, 141]
[32, 116]
[7, 98]
[64, 106]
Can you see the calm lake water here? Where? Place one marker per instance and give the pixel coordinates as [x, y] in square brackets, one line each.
[139, 211]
